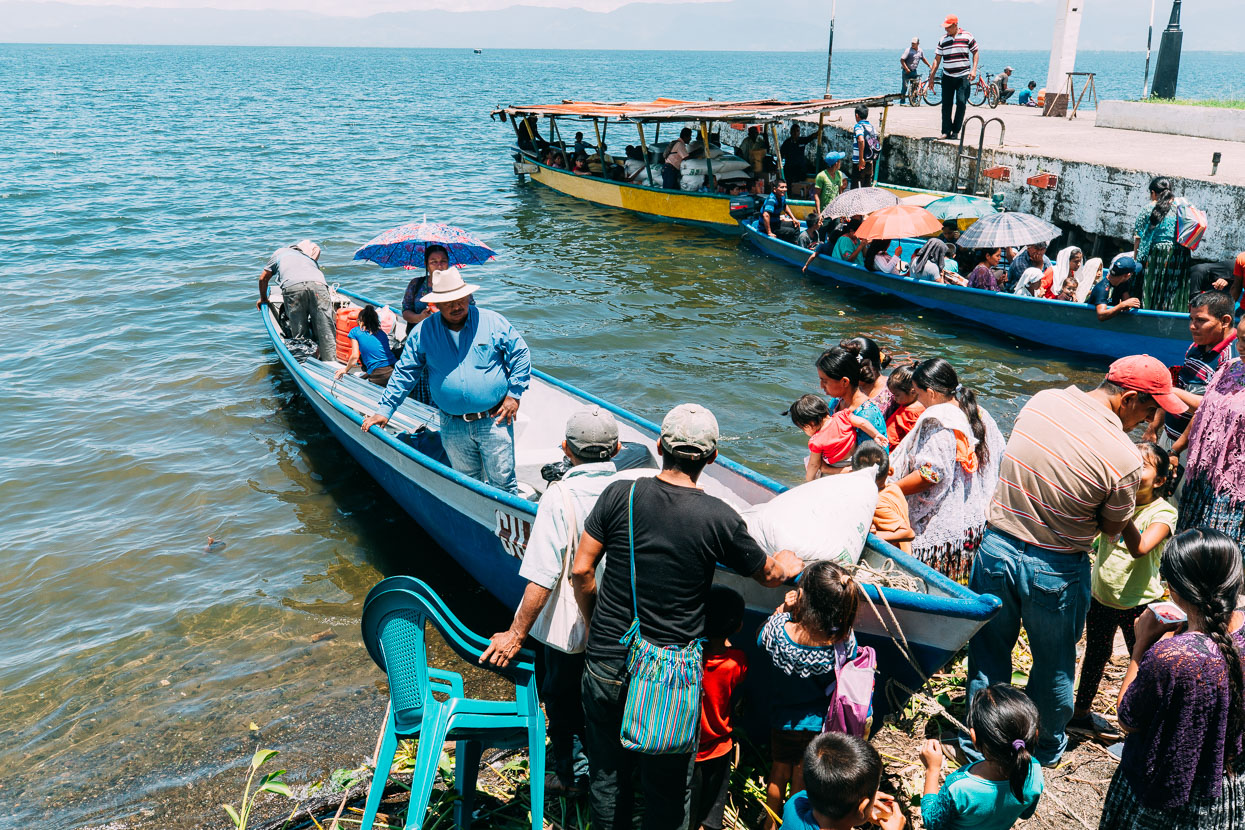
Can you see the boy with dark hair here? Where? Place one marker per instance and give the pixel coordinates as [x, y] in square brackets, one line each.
[891, 522]
[725, 668]
[864, 149]
[1214, 344]
[841, 777]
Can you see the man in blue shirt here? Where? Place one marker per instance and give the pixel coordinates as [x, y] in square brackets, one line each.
[1115, 293]
[775, 210]
[1026, 97]
[478, 368]
[1033, 256]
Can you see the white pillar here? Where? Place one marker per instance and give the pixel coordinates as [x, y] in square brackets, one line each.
[1063, 45]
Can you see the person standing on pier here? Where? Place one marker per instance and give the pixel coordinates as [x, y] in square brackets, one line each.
[478, 367]
[957, 55]
[1165, 262]
[1069, 473]
[909, 65]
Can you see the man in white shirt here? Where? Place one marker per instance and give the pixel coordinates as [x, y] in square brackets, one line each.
[591, 441]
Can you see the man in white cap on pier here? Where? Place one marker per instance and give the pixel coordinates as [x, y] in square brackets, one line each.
[478, 368]
[305, 293]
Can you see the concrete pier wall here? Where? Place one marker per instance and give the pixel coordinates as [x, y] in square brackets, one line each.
[1095, 204]
[1202, 122]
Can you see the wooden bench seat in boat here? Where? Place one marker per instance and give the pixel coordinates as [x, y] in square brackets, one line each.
[364, 396]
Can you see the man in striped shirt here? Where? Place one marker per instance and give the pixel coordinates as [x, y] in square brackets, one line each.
[1069, 472]
[957, 54]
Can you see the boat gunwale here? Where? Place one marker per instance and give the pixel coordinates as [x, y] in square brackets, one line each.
[962, 604]
[750, 230]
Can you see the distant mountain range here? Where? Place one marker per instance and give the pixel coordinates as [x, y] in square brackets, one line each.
[788, 25]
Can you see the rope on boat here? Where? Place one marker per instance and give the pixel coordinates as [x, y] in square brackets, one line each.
[889, 575]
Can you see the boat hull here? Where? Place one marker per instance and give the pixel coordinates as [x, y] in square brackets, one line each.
[1070, 326]
[711, 211]
[485, 531]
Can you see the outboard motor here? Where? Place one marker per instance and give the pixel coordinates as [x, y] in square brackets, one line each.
[745, 206]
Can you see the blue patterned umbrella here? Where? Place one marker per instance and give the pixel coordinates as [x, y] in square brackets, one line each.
[1001, 230]
[961, 207]
[404, 246]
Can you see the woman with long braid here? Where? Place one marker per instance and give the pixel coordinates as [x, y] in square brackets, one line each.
[947, 467]
[1165, 280]
[1182, 702]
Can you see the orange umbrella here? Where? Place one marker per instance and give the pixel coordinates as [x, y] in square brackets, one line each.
[898, 221]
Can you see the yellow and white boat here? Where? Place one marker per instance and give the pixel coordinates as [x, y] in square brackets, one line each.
[709, 208]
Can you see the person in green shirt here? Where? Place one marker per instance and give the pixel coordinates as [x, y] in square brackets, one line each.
[830, 182]
[1125, 580]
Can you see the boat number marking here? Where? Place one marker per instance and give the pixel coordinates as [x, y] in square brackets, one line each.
[513, 532]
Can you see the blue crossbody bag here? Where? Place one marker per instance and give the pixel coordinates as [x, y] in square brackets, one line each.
[662, 713]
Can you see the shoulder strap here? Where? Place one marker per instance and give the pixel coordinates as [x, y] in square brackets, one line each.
[635, 605]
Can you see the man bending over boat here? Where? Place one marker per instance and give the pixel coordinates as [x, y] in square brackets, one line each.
[304, 292]
[548, 610]
[478, 368]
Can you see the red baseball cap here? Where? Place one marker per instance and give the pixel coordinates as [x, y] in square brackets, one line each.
[951, 20]
[1143, 373]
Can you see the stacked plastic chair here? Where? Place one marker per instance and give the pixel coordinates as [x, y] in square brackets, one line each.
[395, 615]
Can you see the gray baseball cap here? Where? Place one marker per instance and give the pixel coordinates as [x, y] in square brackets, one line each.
[689, 431]
[592, 433]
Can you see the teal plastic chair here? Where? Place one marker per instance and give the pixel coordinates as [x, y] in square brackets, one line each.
[395, 614]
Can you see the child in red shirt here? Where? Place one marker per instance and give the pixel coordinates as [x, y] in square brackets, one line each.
[725, 667]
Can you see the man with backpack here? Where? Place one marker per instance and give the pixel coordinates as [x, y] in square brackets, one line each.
[865, 148]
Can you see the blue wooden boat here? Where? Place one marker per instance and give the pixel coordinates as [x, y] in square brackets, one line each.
[1072, 326]
[486, 529]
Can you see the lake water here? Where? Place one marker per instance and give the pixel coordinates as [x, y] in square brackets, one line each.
[141, 190]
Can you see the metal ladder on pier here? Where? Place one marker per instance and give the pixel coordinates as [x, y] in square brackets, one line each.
[974, 159]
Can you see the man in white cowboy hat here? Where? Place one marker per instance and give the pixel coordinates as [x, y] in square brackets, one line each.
[478, 368]
[305, 292]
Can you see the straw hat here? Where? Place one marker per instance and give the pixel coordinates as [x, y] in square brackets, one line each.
[448, 285]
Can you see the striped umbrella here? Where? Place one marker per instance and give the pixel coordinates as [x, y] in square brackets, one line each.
[404, 246]
[897, 222]
[1000, 230]
[859, 202]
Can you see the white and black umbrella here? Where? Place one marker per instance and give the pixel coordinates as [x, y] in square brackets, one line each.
[1001, 230]
[859, 202]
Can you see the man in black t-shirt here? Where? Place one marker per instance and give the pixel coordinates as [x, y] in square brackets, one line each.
[681, 534]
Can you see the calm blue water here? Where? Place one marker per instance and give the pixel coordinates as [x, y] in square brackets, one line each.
[141, 190]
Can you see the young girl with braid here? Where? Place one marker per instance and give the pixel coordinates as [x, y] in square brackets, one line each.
[1182, 701]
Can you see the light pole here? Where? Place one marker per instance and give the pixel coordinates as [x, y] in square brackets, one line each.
[834, 5]
[1167, 67]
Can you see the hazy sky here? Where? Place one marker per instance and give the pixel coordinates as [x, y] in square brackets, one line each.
[363, 8]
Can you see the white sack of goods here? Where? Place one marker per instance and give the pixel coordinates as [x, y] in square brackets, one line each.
[691, 183]
[824, 519]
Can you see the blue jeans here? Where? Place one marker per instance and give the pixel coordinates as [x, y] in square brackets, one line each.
[481, 449]
[1047, 592]
[907, 78]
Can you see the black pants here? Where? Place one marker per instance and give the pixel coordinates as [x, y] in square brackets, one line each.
[670, 176]
[561, 681]
[954, 93]
[665, 780]
[861, 176]
[1100, 626]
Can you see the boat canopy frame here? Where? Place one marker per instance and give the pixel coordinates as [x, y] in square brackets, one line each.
[665, 110]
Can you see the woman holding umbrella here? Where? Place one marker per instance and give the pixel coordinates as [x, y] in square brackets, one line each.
[414, 311]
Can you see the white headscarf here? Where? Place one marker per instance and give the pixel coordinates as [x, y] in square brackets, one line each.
[1062, 263]
[1087, 278]
[1030, 283]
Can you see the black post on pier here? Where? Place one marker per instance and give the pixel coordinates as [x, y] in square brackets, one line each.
[1167, 68]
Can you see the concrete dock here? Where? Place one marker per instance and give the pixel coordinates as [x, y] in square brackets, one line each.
[1103, 174]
